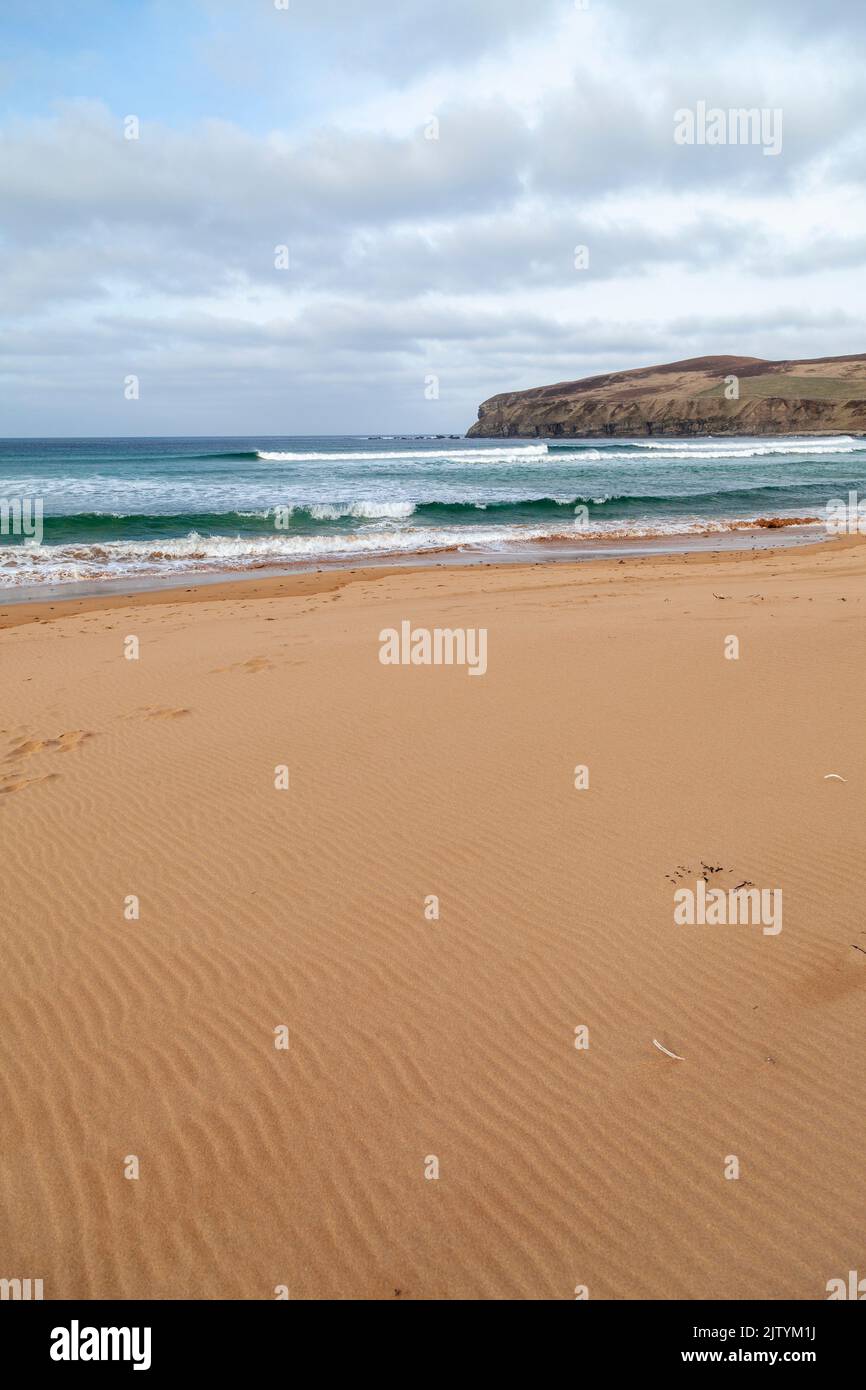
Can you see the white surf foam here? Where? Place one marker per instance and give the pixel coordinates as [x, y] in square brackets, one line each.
[373, 455]
[41, 564]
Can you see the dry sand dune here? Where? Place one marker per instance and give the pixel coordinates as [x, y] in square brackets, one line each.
[455, 1038]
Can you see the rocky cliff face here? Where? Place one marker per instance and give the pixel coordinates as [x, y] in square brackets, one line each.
[824, 395]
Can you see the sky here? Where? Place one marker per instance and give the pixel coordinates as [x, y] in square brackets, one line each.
[352, 216]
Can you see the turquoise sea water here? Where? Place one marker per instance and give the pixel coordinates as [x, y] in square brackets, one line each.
[116, 508]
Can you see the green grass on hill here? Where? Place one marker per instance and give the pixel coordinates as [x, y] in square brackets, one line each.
[782, 387]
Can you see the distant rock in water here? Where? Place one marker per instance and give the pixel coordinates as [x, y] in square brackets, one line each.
[700, 396]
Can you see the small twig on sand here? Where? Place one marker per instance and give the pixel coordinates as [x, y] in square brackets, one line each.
[668, 1054]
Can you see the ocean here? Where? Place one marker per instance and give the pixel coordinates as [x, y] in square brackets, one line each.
[129, 509]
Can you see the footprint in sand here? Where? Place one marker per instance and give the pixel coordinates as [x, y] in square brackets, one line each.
[26, 748]
[63, 743]
[17, 784]
[254, 664]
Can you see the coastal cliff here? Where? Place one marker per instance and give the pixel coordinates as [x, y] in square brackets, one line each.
[822, 395]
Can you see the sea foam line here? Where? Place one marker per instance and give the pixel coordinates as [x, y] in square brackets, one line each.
[35, 564]
[372, 455]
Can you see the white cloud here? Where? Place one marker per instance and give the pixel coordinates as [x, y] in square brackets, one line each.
[454, 255]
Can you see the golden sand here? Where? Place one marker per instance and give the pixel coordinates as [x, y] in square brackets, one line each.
[411, 1038]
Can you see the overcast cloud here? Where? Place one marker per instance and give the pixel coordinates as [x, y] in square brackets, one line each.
[409, 255]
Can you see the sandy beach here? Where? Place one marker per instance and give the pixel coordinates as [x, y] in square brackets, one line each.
[151, 1030]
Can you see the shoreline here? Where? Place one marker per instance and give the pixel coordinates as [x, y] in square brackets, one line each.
[549, 552]
[310, 583]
